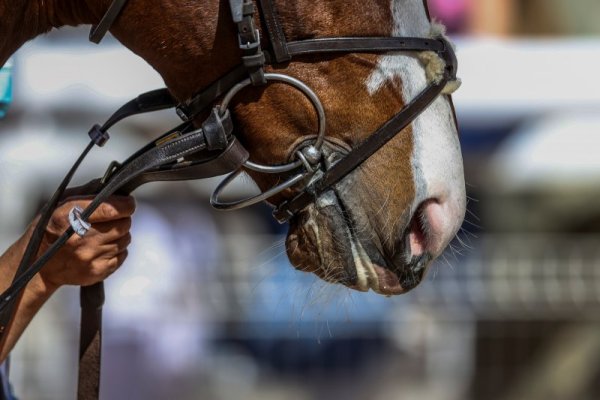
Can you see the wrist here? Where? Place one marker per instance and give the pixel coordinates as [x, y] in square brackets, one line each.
[40, 288]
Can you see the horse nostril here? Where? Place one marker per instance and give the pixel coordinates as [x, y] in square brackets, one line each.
[432, 226]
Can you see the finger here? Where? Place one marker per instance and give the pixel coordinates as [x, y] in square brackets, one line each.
[107, 232]
[114, 208]
[59, 221]
[110, 250]
[115, 262]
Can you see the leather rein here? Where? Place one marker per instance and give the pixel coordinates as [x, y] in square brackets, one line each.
[190, 152]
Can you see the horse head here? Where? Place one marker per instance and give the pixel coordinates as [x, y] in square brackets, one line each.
[380, 226]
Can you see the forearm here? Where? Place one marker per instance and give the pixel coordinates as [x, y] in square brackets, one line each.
[82, 261]
[36, 293]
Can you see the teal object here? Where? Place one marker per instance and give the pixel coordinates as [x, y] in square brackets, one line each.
[5, 87]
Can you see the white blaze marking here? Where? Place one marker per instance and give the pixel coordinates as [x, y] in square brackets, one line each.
[437, 160]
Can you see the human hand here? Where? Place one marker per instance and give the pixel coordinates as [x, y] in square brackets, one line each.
[90, 259]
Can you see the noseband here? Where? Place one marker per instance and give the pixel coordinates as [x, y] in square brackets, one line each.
[190, 152]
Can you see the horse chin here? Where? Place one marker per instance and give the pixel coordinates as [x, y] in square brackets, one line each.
[323, 241]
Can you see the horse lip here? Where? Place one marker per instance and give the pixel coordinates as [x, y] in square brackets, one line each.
[366, 264]
[395, 281]
[392, 278]
[414, 272]
[404, 271]
[381, 273]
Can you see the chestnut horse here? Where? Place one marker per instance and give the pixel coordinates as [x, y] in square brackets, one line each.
[380, 223]
[400, 208]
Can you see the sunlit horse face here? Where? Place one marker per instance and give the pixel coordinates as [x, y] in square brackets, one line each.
[381, 226]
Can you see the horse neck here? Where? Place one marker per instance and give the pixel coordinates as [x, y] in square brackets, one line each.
[22, 21]
[188, 55]
[201, 46]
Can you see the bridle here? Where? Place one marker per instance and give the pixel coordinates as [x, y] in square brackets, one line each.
[191, 152]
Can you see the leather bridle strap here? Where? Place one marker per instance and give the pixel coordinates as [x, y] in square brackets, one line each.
[98, 32]
[364, 45]
[193, 107]
[147, 102]
[174, 156]
[130, 173]
[275, 32]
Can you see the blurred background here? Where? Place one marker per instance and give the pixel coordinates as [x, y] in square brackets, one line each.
[207, 305]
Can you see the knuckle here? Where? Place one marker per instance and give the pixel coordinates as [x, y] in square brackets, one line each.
[129, 205]
[97, 268]
[121, 257]
[124, 241]
[126, 225]
[57, 223]
[122, 227]
[128, 239]
[83, 256]
[74, 242]
[106, 211]
[115, 263]
[117, 207]
[114, 229]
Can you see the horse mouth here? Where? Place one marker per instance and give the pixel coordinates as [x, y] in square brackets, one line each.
[330, 241]
[398, 274]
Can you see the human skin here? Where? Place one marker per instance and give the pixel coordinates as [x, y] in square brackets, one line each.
[81, 261]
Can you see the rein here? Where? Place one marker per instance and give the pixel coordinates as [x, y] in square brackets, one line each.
[188, 152]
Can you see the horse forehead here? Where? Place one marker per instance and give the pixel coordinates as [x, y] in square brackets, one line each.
[409, 20]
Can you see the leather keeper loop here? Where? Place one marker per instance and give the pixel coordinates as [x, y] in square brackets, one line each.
[217, 130]
[255, 60]
[99, 136]
[258, 77]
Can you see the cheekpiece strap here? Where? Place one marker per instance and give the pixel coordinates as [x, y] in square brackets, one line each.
[253, 57]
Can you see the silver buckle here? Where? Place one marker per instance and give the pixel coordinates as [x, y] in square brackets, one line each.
[250, 45]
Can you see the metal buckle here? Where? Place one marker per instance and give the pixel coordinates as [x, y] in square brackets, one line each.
[250, 45]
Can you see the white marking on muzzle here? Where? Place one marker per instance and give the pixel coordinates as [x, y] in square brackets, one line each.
[437, 160]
